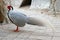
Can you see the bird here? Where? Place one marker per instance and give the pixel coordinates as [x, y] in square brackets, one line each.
[20, 19]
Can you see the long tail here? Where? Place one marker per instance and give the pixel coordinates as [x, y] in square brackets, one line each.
[49, 24]
[34, 21]
[41, 22]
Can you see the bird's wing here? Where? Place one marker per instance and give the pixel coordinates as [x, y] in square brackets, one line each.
[18, 18]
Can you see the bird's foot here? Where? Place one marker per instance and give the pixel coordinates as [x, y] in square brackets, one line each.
[16, 30]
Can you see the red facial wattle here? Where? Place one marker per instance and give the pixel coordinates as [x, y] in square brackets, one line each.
[9, 7]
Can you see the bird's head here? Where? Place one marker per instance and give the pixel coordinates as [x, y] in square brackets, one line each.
[10, 7]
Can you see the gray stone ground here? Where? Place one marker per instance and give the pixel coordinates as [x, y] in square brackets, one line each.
[31, 32]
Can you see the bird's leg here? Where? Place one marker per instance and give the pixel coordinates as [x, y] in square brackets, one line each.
[17, 30]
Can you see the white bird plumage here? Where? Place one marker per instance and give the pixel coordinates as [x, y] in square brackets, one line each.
[17, 18]
[20, 19]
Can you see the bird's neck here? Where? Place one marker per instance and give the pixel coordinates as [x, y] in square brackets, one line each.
[11, 9]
